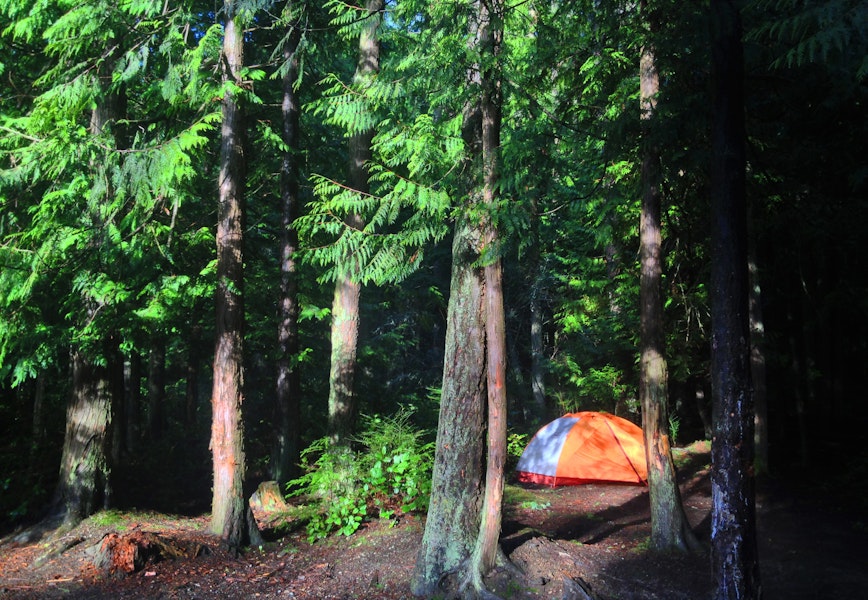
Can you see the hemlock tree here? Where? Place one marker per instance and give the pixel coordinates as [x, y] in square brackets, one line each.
[670, 528]
[345, 306]
[463, 525]
[63, 159]
[288, 392]
[231, 517]
[84, 485]
[734, 561]
[91, 191]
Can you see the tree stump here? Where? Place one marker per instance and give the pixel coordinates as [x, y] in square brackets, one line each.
[129, 552]
[267, 498]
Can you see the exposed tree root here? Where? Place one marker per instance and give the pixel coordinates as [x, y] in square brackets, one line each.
[467, 581]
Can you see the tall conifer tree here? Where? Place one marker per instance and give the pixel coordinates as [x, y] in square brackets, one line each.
[670, 528]
[463, 526]
[734, 561]
[231, 518]
[288, 392]
[348, 287]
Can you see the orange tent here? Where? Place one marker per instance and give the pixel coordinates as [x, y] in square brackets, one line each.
[585, 447]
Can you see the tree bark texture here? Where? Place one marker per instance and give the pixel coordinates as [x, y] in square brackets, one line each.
[37, 435]
[670, 529]
[228, 508]
[345, 306]
[452, 525]
[84, 485]
[735, 565]
[464, 517]
[116, 380]
[485, 552]
[288, 396]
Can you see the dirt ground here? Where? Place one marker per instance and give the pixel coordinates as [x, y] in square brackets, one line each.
[596, 533]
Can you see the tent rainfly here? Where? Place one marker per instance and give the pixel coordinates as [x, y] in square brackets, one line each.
[585, 447]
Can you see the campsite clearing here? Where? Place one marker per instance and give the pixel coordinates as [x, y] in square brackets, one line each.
[812, 546]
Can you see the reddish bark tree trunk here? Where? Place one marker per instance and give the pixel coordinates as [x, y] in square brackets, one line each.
[485, 552]
[229, 511]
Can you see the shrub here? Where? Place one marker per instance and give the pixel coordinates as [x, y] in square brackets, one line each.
[387, 472]
[515, 445]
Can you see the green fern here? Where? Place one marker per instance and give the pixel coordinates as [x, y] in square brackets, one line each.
[812, 31]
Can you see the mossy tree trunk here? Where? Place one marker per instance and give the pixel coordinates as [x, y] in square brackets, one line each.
[464, 519]
[457, 490]
[84, 483]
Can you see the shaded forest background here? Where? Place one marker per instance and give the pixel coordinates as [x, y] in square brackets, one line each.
[571, 149]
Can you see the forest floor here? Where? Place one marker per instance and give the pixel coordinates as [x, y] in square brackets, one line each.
[810, 547]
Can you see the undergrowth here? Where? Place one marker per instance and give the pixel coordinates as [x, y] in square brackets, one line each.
[385, 472]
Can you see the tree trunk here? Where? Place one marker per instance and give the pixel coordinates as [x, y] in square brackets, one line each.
[735, 566]
[37, 435]
[670, 528]
[452, 525]
[156, 389]
[536, 412]
[485, 552]
[132, 400]
[344, 339]
[464, 517]
[118, 417]
[288, 398]
[229, 511]
[345, 307]
[537, 351]
[84, 485]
